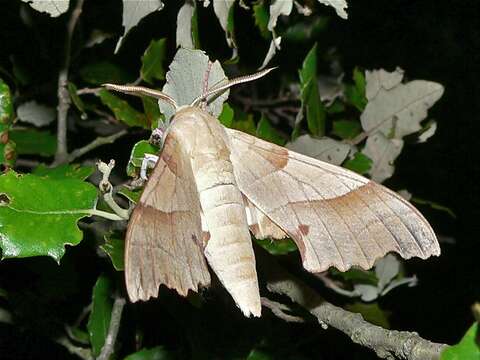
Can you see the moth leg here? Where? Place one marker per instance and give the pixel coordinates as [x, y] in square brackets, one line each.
[149, 161]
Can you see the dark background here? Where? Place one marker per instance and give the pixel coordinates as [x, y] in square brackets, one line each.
[433, 40]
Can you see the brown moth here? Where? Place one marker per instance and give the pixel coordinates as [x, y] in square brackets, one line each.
[212, 185]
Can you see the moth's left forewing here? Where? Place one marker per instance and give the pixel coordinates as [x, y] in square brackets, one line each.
[164, 234]
[336, 217]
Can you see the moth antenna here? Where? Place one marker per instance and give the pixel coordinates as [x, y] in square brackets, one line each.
[142, 91]
[217, 88]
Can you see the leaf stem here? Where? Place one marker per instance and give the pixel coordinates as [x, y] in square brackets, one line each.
[106, 189]
[105, 215]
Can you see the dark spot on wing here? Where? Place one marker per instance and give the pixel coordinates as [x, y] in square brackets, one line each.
[304, 229]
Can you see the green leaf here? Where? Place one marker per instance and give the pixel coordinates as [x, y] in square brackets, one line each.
[256, 354]
[310, 96]
[104, 72]
[306, 31]
[261, 16]
[152, 61]
[356, 94]
[7, 147]
[38, 216]
[34, 142]
[371, 312]
[195, 33]
[226, 116]
[156, 353]
[468, 348]
[247, 125]
[99, 319]
[152, 112]
[346, 129]
[138, 153]
[244, 122]
[122, 110]
[267, 132]
[114, 248]
[74, 171]
[360, 163]
[277, 247]
[359, 79]
[79, 335]
[77, 101]
[357, 276]
[131, 195]
[6, 105]
[336, 107]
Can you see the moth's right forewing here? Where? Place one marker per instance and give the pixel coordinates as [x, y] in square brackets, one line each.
[336, 217]
[164, 235]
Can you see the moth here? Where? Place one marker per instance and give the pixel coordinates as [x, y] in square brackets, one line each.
[212, 186]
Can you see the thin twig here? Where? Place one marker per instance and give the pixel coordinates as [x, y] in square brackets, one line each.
[279, 310]
[82, 353]
[62, 92]
[109, 345]
[26, 163]
[94, 144]
[85, 91]
[387, 344]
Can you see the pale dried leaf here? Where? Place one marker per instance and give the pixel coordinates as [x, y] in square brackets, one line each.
[279, 7]
[34, 113]
[378, 79]
[184, 25]
[386, 269]
[134, 11]
[272, 50]
[53, 7]
[366, 292]
[409, 281]
[396, 109]
[97, 37]
[325, 149]
[404, 193]
[339, 5]
[383, 153]
[330, 88]
[185, 81]
[428, 133]
[222, 10]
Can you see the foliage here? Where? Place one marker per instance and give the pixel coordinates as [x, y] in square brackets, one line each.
[363, 122]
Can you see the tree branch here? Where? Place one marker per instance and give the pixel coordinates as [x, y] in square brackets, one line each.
[109, 345]
[94, 144]
[62, 92]
[387, 344]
